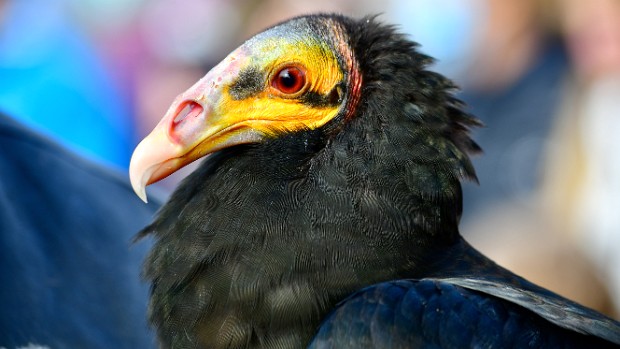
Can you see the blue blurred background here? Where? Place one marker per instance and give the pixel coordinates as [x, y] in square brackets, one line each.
[543, 75]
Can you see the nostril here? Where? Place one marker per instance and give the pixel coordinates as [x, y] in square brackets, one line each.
[189, 109]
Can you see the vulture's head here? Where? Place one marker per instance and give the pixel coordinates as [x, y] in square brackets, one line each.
[320, 73]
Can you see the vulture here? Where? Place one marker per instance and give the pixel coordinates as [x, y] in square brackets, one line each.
[326, 213]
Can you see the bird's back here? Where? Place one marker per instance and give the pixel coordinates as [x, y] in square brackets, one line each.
[436, 313]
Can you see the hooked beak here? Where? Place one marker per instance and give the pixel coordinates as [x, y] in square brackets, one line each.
[193, 127]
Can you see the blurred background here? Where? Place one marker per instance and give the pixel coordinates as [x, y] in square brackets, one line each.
[543, 75]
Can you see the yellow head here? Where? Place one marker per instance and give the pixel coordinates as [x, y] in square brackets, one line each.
[272, 84]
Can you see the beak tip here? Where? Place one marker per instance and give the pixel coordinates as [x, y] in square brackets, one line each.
[146, 201]
[138, 174]
[141, 192]
[139, 187]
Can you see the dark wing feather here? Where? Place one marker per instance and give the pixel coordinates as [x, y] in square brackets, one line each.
[436, 313]
[548, 305]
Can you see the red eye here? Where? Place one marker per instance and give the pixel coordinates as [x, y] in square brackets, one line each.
[289, 80]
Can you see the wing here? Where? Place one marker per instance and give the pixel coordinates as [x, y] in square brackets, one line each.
[558, 310]
[436, 313]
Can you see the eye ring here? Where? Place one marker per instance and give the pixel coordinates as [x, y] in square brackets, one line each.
[289, 80]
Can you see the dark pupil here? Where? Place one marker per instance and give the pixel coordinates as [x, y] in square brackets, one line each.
[287, 79]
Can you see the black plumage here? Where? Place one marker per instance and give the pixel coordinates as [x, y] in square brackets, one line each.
[435, 313]
[262, 244]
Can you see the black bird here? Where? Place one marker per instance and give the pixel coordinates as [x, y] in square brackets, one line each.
[326, 214]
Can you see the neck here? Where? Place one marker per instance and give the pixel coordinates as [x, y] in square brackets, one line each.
[268, 246]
